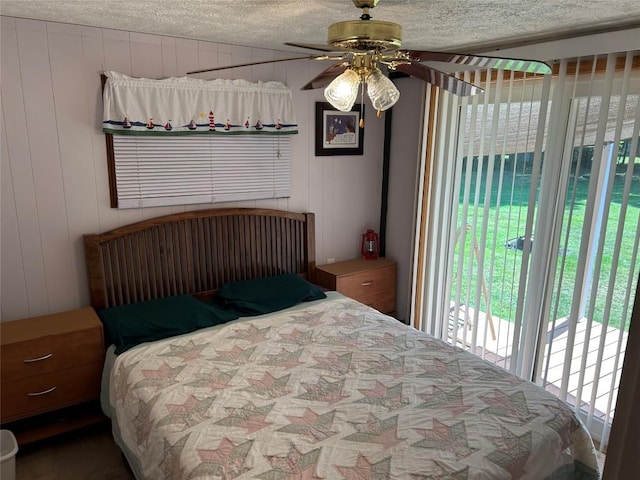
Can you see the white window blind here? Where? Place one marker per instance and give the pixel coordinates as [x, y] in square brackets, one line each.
[180, 170]
[533, 237]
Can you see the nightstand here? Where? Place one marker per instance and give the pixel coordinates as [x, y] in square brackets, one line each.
[372, 282]
[50, 363]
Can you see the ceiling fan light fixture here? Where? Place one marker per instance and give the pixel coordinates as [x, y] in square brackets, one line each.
[361, 46]
[381, 90]
[342, 92]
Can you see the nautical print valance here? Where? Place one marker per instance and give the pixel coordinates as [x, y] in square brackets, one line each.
[185, 106]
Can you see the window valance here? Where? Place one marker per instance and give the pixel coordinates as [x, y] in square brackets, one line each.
[186, 106]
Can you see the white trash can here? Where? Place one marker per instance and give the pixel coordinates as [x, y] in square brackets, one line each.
[8, 450]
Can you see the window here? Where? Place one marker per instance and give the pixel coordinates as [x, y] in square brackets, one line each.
[180, 141]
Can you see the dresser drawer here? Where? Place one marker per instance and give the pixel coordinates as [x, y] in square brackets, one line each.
[375, 288]
[50, 353]
[50, 391]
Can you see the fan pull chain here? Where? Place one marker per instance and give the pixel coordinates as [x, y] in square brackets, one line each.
[361, 124]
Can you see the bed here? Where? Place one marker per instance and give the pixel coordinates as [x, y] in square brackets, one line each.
[324, 388]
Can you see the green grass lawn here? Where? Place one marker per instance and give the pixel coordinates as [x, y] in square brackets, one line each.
[508, 222]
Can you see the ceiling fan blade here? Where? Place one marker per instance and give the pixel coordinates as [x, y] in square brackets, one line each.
[204, 70]
[519, 65]
[439, 79]
[325, 77]
[322, 48]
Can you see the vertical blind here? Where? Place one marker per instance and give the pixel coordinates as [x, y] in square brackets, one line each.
[531, 245]
[159, 171]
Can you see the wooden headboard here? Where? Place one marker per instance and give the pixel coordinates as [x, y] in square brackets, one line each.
[196, 252]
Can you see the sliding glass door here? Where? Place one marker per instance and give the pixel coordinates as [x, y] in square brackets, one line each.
[595, 253]
[532, 224]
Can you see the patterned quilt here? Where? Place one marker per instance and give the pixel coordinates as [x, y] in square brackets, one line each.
[333, 389]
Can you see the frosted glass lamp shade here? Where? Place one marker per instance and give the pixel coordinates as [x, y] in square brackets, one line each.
[382, 92]
[342, 92]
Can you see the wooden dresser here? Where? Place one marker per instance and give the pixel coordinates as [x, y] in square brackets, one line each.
[49, 363]
[372, 282]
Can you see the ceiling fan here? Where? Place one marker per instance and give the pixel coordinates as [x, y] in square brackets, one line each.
[364, 48]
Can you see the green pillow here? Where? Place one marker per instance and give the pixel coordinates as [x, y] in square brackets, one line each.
[267, 294]
[130, 325]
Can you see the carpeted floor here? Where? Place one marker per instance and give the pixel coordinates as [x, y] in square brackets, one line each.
[89, 454]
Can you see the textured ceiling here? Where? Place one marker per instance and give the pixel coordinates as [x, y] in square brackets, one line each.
[472, 25]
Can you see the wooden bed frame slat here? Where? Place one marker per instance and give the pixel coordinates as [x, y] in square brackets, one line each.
[196, 252]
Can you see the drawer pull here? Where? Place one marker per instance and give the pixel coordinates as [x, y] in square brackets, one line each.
[39, 359]
[44, 392]
[366, 284]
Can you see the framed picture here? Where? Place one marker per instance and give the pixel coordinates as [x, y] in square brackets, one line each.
[338, 133]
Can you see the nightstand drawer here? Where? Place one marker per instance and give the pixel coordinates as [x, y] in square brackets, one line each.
[51, 353]
[375, 288]
[50, 391]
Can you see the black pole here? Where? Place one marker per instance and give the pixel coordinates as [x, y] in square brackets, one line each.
[386, 156]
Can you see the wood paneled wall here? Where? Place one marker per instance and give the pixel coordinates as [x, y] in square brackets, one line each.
[53, 156]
